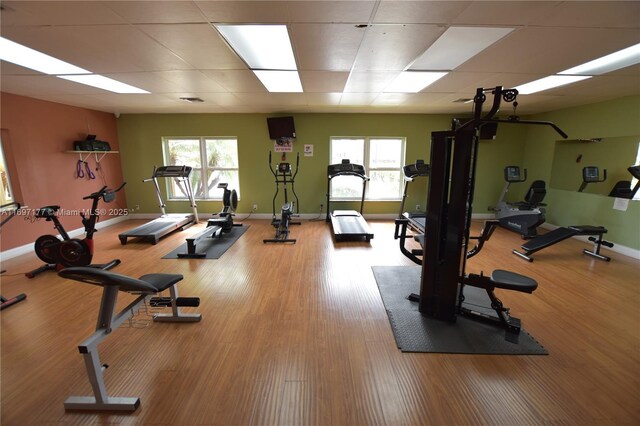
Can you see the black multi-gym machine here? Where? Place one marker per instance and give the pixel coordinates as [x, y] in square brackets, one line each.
[449, 208]
[284, 175]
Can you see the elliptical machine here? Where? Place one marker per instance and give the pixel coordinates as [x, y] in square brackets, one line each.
[283, 174]
[525, 216]
[59, 254]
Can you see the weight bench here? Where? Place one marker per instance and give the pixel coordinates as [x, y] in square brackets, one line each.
[595, 234]
[108, 320]
[501, 279]
[504, 280]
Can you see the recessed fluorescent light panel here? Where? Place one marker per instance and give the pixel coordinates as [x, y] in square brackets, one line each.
[549, 83]
[413, 81]
[26, 57]
[620, 59]
[280, 81]
[266, 47]
[102, 82]
[456, 46]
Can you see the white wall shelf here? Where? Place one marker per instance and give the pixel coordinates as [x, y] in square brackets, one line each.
[97, 154]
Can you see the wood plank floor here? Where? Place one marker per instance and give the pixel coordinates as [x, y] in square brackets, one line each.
[297, 334]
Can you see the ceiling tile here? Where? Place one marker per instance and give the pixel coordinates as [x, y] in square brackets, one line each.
[357, 98]
[275, 99]
[323, 81]
[115, 48]
[190, 81]
[145, 12]
[35, 85]
[326, 99]
[330, 11]
[57, 13]
[245, 11]
[326, 46]
[418, 12]
[537, 50]
[237, 81]
[369, 82]
[603, 14]
[200, 45]
[394, 47]
[509, 13]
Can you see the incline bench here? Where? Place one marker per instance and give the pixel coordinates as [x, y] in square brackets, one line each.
[595, 234]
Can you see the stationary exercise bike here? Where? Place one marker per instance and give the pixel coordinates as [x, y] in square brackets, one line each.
[284, 175]
[59, 254]
[525, 216]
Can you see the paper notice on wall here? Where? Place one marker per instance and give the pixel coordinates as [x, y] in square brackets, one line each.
[621, 204]
[308, 150]
[283, 145]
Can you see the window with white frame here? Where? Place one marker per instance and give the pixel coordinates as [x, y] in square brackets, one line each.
[213, 160]
[382, 157]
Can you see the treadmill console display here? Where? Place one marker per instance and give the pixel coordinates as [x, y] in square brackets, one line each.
[172, 171]
[418, 169]
[345, 168]
[512, 174]
[590, 174]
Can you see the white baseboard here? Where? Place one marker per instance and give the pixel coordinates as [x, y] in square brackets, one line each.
[28, 248]
[617, 248]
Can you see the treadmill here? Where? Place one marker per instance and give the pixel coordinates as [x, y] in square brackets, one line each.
[167, 223]
[417, 220]
[347, 224]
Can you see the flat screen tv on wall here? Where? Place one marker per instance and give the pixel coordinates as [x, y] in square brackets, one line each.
[281, 127]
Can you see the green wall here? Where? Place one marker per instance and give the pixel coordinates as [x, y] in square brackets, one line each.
[611, 119]
[531, 147]
[140, 144]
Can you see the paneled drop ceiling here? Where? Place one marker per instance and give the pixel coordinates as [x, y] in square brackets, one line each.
[347, 52]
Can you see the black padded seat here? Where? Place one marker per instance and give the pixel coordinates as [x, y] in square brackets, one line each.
[511, 281]
[589, 230]
[152, 283]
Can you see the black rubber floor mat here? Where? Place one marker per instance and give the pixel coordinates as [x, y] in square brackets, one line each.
[417, 333]
[214, 248]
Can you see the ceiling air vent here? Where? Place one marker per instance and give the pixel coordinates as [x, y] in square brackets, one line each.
[192, 100]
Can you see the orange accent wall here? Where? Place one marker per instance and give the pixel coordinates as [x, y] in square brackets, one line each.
[35, 136]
